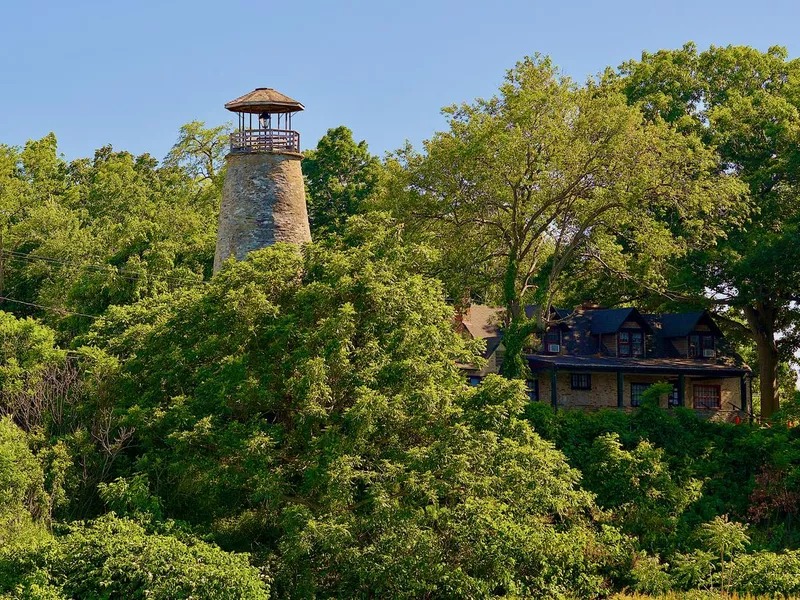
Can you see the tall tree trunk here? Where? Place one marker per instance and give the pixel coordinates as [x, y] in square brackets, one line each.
[517, 327]
[761, 320]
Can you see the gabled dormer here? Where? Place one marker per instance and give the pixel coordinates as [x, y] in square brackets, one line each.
[620, 332]
[691, 335]
[553, 339]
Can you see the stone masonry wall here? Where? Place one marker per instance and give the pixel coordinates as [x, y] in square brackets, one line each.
[263, 202]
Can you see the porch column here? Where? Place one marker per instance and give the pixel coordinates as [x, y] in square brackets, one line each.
[743, 393]
[681, 390]
[554, 388]
[620, 389]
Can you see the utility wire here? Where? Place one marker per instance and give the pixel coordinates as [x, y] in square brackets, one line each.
[53, 308]
[98, 268]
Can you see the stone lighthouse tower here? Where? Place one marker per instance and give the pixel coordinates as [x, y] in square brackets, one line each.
[263, 199]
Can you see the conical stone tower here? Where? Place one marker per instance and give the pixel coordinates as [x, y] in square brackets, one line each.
[263, 199]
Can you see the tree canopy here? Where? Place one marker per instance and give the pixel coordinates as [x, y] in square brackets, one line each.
[549, 174]
[745, 104]
[300, 425]
[317, 398]
[341, 178]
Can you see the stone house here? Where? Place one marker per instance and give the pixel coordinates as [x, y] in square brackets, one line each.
[595, 358]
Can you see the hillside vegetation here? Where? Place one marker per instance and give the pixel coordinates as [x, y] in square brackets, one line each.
[298, 425]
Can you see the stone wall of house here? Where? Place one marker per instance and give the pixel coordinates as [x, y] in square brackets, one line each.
[263, 202]
[730, 397]
[604, 393]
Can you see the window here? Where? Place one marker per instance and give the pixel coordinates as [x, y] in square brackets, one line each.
[581, 381]
[624, 343]
[631, 343]
[707, 396]
[673, 399]
[552, 342]
[701, 346]
[694, 345]
[637, 343]
[707, 344]
[533, 389]
[637, 391]
[474, 380]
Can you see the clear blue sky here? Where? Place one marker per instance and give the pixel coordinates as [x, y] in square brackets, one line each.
[130, 73]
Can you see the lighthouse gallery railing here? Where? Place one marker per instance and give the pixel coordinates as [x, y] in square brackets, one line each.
[265, 140]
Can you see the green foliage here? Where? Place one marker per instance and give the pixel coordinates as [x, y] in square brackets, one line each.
[650, 575]
[693, 570]
[744, 104]
[23, 500]
[200, 151]
[746, 471]
[318, 395]
[29, 360]
[724, 538]
[131, 498]
[342, 178]
[766, 573]
[117, 558]
[549, 176]
[639, 486]
[84, 235]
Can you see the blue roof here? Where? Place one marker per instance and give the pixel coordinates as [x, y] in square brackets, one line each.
[611, 319]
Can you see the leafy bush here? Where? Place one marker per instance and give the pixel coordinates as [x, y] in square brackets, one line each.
[640, 488]
[318, 395]
[650, 575]
[116, 558]
[131, 497]
[22, 496]
[766, 573]
[748, 472]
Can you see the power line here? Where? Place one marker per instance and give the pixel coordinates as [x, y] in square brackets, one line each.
[98, 268]
[53, 308]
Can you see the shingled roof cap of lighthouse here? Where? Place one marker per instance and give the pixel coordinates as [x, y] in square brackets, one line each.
[262, 100]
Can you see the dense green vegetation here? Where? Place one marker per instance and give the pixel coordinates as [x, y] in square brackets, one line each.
[298, 426]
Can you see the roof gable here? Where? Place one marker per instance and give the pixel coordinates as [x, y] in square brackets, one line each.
[610, 320]
[483, 321]
[682, 324]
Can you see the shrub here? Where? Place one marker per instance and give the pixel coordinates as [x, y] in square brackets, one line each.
[116, 558]
[766, 573]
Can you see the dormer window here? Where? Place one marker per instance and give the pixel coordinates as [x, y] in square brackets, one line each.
[702, 346]
[631, 343]
[552, 342]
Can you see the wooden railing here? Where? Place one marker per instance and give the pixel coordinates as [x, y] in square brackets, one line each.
[265, 140]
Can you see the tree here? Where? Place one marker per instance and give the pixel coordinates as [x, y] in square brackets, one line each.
[341, 177]
[744, 104]
[724, 538]
[548, 173]
[23, 500]
[311, 405]
[200, 150]
[79, 237]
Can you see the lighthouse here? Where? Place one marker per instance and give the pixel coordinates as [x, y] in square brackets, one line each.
[263, 198]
